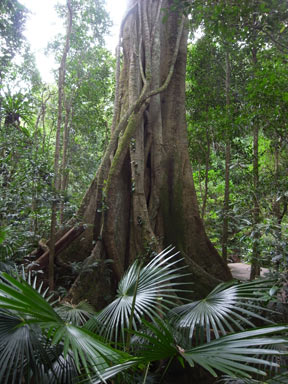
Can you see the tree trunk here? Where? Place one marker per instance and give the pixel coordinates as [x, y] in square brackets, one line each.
[36, 138]
[207, 163]
[65, 156]
[225, 233]
[255, 262]
[143, 196]
[56, 183]
[225, 229]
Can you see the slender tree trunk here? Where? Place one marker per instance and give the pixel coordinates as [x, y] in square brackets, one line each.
[277, 201]
[225, 233]
[225, 229]
[41, 115]
[34, 226]
[44, 129]
[143, 196]
[207, 164]
[64, 170]
[255, 262]
[200, 183]
[280, 202]
[61, 81]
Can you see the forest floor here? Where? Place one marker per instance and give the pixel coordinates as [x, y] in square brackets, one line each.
[241, 271]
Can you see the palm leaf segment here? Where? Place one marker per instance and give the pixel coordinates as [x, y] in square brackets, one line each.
[77, 314]
[278, 379]
[27, 317]
[232, 354]
[227, 309]
[239, 355]
[28, 312]
[22, 350]
[143, 292]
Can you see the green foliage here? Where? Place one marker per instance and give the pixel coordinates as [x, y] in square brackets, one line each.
[76, 314]
[12, 22]
[221, 312]
[48, 343]
[40, 342]
[28, 111]
[89, 86]
[250, 33]
[154, 287]
[233, 22]
[38, 335]
[88, 93]
[25, 174]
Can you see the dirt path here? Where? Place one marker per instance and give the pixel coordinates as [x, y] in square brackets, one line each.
[241, 271]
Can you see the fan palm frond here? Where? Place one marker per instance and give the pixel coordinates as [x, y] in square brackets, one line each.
[227, 309]
[21, 298]
[23, 350]
[226, 379]
[157, 341]
[237, 354]
[63, 371]
[277, 379]
[76, 314]
[31, 309]
[114, 370]
[142, 292]
[42, 343]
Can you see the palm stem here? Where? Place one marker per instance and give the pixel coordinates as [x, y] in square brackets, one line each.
[127, 347]
[166, 369]
[146, 373]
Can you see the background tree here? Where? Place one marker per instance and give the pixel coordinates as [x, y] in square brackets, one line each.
[243, 26]
[12, 23]
[57, 174]
[83, 19]
[26, 197]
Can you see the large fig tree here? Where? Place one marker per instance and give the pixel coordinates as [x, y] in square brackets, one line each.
[142, 198]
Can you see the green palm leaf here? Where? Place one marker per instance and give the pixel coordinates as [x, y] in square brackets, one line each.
[63, 371]
[155, 341]
[76, 314]
[277, 379]
[236, 354]
[23, 350]
[21, 298]
[143, 292]
[227, 309]
[31, 309]
[114, 370]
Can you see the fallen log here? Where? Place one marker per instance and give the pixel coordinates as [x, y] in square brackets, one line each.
[43, 261]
